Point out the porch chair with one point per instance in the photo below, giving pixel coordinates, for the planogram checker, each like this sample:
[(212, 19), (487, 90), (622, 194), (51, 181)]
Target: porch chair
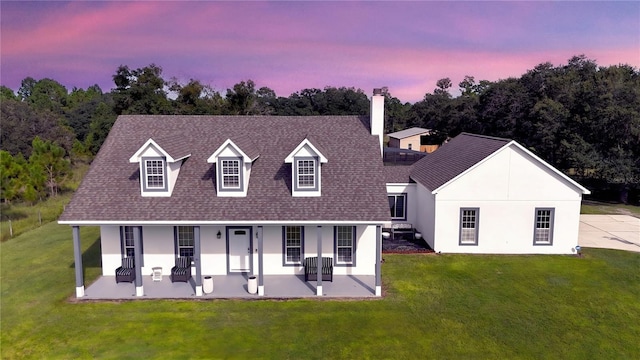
[(126, 272), (311, 269), (182, 270)]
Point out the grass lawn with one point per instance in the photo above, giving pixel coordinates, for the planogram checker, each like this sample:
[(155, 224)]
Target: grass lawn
[(602, 208), (435, 306)]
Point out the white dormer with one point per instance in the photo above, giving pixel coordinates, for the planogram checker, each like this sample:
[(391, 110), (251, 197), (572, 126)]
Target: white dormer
[(306, 168), (233, 167), (158, 168)]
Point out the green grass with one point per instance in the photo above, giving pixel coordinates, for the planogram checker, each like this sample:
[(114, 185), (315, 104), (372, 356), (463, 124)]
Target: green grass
[(602, 208), (435, 306)]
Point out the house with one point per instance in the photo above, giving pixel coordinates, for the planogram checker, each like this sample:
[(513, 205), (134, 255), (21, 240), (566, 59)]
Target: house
[(410, 139), (235, 196), (480, 194)]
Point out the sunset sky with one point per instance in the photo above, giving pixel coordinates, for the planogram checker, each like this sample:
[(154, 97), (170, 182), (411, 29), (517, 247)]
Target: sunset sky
[(289, 46)]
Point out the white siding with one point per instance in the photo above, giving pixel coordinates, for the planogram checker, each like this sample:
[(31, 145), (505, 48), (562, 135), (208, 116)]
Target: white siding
[(159, 250), (507, 188)]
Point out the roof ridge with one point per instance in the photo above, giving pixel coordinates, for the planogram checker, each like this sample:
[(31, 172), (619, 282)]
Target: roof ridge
[(486, 136)]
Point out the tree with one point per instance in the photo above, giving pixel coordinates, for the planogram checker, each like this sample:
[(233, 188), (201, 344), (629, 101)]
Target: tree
[(11, 176), (140, 91), (47, 162)]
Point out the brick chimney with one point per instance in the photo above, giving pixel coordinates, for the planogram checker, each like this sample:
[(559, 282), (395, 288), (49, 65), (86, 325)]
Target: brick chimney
[(377, 114)]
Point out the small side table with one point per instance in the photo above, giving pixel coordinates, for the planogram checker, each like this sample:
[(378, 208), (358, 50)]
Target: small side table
[(156, 273)]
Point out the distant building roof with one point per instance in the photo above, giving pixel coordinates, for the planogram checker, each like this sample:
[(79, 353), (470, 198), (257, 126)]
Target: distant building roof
[(409, 132)]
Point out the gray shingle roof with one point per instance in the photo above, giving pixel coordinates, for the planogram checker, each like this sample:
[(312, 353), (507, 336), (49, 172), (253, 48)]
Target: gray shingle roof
[(454, 158), (408, 132), (398, 174), (353, 187)]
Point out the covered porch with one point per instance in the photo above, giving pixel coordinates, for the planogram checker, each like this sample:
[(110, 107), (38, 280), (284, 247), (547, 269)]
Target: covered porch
[(233, 287)]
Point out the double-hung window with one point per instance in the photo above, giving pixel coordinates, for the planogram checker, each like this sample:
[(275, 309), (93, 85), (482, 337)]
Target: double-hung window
[(398, 205), (345, 245), (293, 239), (543, 232), (231, 174), (184, 241), (127, 244), (154, 174), (306, 174), (469, 226)]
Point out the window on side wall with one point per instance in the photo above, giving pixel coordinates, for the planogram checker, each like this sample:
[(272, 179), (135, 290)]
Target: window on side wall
[(543, 231), (345, 245), (184, 241), (469, 218), (398, 206), (293, 240), (127, 244)]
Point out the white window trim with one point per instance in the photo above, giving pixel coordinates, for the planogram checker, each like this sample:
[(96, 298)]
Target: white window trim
[(395, 203), (223, 174), (314, 175)]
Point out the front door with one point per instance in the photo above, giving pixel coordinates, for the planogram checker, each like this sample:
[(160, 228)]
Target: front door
[(239, 245)]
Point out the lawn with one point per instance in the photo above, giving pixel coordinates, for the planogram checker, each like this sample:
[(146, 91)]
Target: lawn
[(603, 208), (435, 306)]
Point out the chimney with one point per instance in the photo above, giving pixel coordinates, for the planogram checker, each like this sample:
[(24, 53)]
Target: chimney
[(377, 114)]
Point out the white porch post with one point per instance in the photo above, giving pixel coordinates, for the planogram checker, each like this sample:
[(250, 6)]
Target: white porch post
[(378, 260), (196, 258), (77, 255), (260, 263), (319, 270), (137, 253)]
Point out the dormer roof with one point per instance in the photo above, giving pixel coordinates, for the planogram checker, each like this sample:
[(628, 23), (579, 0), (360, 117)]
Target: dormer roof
[(241, 144), (174, 148), (314, 149)]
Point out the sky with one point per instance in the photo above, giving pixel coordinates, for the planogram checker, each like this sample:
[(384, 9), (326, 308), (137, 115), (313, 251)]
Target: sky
[(294, 45)]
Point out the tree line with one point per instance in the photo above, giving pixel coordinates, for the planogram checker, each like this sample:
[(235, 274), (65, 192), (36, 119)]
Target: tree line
[(580, 117)]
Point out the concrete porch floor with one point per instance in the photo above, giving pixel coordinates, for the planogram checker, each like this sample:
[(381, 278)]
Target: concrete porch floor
[(233, 286)]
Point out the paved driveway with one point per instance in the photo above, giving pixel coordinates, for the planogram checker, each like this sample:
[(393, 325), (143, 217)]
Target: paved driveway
[(621, 232)]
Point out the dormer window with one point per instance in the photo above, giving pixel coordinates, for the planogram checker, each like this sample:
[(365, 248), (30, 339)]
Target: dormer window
[(154, 174), (306, 174), (231, 174), (233, 160), (160, 166), (306, 161)]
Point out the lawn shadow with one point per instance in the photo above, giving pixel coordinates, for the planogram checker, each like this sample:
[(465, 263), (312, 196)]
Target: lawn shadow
[(91, 257)]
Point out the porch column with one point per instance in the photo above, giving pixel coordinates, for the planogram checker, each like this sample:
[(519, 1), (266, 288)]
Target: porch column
[(260, 263), (197, 253), (77, 255), (378, 260), (319, 271), (138, 260)]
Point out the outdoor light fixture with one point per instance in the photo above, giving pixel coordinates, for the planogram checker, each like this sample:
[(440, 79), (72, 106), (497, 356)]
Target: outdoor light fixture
[(218, 235), (579, 250)]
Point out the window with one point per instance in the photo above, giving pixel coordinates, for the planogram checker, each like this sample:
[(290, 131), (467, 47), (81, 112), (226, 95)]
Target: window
[(469, 226), (184, 241), (230, 174), (543, 232), (154, 174), (293, 239), (397, 205), (306, 174), (127, 244), (345, 245)]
